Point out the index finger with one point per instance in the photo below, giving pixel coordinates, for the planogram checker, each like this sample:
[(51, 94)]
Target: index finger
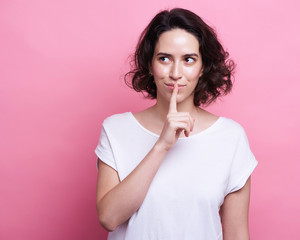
[(173, 104)]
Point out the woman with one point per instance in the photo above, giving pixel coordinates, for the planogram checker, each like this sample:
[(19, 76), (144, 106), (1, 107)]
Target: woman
[(174, 170)]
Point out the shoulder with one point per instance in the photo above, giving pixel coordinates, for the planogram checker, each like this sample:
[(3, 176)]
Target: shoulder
[(231, 123), (116, 119), (118, 124), (232, 127), (121, 123)]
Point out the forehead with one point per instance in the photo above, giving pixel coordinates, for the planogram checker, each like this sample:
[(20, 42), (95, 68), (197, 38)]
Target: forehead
[(177, 40)]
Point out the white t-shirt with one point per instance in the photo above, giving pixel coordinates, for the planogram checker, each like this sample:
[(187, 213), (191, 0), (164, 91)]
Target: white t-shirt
[(186, 194)]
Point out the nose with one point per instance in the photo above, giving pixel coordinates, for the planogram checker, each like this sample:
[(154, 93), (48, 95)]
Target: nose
[(176, 71)]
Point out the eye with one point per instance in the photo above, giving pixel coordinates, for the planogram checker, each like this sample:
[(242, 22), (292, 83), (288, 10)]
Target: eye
[(164, 59), (189, 60)]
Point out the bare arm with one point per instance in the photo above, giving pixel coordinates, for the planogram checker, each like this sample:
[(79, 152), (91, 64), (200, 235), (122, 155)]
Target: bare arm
[(117, 201), (234, 214), (124, 198)]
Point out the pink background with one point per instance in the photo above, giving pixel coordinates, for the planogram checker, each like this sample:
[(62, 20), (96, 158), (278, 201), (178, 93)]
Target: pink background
[(61, 67)]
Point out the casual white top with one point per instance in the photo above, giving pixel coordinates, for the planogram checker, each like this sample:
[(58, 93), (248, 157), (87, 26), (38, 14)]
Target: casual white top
[(186, 194)]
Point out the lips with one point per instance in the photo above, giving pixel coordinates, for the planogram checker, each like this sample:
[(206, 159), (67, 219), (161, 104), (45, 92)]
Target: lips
[(171, 86)]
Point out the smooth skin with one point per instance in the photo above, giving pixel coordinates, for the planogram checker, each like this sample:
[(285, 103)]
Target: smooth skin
[(176, 67)]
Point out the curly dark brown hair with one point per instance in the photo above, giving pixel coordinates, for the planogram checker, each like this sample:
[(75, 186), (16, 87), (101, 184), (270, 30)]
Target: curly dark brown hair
[(216, 79)]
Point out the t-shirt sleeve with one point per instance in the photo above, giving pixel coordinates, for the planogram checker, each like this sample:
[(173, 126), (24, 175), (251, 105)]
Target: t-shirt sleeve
[(242, 166), (104, 151)]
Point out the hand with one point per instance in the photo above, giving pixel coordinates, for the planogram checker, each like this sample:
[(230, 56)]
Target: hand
[(176, 122)]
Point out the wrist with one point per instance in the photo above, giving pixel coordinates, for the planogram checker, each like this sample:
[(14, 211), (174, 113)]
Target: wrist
[(159, 147)]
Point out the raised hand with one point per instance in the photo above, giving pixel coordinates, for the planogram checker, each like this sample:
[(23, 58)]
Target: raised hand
[(176, 122)]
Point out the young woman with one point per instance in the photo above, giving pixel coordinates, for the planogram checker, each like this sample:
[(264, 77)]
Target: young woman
[(174, 170)]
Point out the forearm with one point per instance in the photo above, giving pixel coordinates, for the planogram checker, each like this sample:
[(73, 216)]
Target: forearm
[(124, 199), (238, 235)]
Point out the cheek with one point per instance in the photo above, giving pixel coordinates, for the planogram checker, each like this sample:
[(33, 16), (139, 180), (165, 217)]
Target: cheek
[(160, 71), (193, 74)]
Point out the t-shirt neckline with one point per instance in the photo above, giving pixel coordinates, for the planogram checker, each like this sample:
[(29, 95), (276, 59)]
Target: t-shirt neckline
[(211, 127)]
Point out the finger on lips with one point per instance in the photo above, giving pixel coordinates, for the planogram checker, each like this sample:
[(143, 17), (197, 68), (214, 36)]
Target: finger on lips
[(173, 107), (187, 122)]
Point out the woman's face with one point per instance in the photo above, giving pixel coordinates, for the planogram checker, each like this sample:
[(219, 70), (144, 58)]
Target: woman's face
[(176, 59)]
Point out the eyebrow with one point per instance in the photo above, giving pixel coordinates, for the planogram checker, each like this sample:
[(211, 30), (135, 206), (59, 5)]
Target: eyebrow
[(170, 55)]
